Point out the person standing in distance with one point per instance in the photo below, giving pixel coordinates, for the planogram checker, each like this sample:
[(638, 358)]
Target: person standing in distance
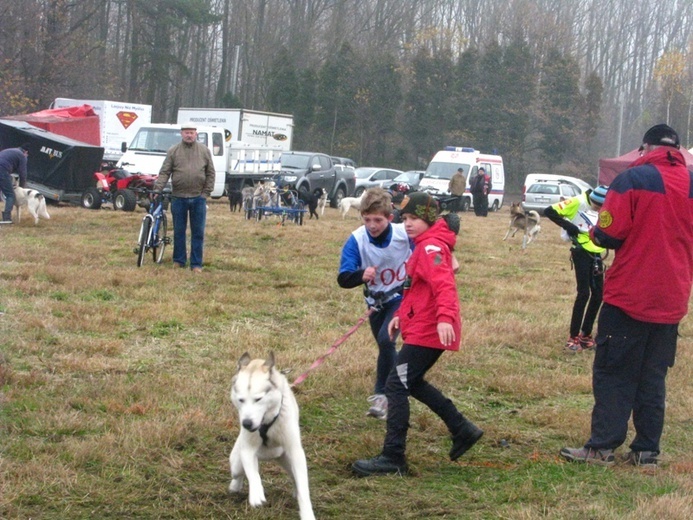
[(12, 160), (456, 187), (189, 166), (647, 218)]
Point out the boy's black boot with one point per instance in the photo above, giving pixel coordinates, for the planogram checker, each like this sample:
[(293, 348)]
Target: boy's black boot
[(6, 217), (379, 465), (464, 438)]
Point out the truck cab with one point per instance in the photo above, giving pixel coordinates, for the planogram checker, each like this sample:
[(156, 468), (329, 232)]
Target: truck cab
[(148, 148)]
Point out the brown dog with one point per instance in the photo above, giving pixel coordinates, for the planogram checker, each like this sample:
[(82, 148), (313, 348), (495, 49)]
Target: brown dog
[(528, 222)]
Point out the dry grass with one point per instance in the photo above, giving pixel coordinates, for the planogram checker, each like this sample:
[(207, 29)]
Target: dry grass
[(114, 380)]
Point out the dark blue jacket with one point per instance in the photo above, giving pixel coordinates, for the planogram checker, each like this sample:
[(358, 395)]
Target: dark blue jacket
[(13, 160)]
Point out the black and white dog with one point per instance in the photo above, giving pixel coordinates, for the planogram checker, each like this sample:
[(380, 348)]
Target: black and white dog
[(312, 200)]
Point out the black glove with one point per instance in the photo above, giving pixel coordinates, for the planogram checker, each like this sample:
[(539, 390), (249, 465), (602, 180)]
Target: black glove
[(453, 222), (571, 229)]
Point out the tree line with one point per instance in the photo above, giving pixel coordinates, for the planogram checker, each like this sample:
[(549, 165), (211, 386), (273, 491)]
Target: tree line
[(549, 84)]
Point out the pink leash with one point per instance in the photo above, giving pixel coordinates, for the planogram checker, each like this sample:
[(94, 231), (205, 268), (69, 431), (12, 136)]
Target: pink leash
[(334, 347)]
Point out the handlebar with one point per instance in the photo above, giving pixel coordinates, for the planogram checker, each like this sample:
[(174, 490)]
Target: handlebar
[(166, 193)]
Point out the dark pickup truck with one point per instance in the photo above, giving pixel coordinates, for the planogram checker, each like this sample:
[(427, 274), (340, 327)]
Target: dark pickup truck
[(310, 171)]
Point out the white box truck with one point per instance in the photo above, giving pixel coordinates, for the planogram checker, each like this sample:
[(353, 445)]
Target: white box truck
[(247, 126), (446, 162), (240, 164), (119, 122)]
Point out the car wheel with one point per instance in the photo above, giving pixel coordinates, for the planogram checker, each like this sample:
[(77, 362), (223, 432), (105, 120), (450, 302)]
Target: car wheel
[(465, 204), (495, 206), (338, 196), (359, 192)]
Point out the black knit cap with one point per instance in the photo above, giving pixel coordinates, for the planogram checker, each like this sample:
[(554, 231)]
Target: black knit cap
[(661, 135), (25, 146), (422, 205)]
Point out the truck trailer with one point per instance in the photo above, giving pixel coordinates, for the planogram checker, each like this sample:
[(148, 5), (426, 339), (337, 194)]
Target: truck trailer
[(247, 126), (118, 122)]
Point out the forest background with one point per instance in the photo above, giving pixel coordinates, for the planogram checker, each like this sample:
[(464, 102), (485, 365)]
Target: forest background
[(552, 85)]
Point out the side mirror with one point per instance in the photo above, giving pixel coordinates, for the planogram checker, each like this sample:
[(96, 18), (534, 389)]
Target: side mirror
[(315, 167), (123, 147)]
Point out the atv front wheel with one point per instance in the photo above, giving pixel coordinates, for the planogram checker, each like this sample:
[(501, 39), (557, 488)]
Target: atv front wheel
[(125, 200)]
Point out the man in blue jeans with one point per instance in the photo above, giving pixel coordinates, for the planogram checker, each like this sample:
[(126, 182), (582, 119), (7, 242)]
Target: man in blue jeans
[(12, 160), (189, 166)]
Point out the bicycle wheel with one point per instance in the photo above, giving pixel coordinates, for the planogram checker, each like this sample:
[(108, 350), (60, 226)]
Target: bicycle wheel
[(143, 242), (159, 239)]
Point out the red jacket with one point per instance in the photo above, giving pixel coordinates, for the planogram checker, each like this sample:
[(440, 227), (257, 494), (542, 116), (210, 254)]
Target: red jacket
[(647, 218), (430, 291)]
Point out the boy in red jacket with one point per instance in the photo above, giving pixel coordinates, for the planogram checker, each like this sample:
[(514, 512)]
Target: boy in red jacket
[(429, 320)]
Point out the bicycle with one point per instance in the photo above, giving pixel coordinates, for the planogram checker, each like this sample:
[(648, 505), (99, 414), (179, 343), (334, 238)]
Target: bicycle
[(152, 235)]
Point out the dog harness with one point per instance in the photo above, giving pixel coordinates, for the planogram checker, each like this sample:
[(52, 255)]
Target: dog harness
[(264, 428)]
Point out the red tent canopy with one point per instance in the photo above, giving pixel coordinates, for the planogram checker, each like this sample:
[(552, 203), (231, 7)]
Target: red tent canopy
[(79, 122), (610, 168)]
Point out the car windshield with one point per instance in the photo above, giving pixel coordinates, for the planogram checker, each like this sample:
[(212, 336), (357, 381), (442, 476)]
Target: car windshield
[(407, 177), (364, 173), (155, 139), (443, 170), (544, 189), (294, 161)]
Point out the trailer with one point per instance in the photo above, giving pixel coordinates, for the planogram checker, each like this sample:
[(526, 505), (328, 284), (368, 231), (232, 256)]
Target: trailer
[(253, 127), (59, 168), (119, 121)]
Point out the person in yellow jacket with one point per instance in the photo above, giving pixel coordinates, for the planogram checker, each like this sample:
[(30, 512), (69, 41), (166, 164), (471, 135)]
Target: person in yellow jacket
[(577, 215)]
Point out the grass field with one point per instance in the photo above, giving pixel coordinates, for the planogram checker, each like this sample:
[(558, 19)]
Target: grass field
[(114, 380)]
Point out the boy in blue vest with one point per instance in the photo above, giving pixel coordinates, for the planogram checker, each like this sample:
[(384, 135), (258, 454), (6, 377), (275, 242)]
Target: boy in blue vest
[(374, 257)]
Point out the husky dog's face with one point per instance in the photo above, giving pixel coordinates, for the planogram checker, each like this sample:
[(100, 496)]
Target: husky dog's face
[(254, 392)]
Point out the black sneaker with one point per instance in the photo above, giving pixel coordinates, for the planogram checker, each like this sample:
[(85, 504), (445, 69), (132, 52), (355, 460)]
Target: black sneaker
[(464, 440), (379, 465), (643, 459)]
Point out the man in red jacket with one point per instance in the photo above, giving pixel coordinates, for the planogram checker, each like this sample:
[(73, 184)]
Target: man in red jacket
[(647, 217), (429, 319)]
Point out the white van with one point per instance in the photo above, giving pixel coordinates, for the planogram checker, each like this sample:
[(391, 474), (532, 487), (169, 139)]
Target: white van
[(446, 162)]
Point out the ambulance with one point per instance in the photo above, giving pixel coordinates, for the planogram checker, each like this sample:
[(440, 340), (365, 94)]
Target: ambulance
[(446, 162)]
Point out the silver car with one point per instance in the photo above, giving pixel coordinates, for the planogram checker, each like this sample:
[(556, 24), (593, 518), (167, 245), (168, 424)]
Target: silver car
[(368, 177), (542, 194)]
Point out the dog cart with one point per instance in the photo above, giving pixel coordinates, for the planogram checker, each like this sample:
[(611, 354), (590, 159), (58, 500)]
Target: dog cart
[(286, 205)]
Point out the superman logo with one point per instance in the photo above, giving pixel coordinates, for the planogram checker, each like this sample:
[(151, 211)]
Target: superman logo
[(126, 118)]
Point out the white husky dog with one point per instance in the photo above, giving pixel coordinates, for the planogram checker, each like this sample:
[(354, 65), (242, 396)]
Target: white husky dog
[(350, 202), (33, 201), (268, 414)]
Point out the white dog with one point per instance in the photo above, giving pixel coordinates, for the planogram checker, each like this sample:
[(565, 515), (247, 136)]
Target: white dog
[(268, 414), (350, 202), (33, 201), (322, 201)]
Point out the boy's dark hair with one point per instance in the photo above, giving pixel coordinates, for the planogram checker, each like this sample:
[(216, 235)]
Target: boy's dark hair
[(376, 200)]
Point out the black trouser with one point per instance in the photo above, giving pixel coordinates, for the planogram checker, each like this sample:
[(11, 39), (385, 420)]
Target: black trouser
[(589, 292), (480, 202), (407, 378), (628, 376)]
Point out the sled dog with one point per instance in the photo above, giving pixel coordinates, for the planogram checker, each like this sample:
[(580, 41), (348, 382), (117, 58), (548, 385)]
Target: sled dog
[(268, 417)]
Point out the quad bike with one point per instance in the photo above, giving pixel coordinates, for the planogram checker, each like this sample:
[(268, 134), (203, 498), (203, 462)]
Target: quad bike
[(120, 188)]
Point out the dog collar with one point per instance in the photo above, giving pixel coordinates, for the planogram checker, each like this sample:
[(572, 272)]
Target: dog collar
[(264, 428)]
